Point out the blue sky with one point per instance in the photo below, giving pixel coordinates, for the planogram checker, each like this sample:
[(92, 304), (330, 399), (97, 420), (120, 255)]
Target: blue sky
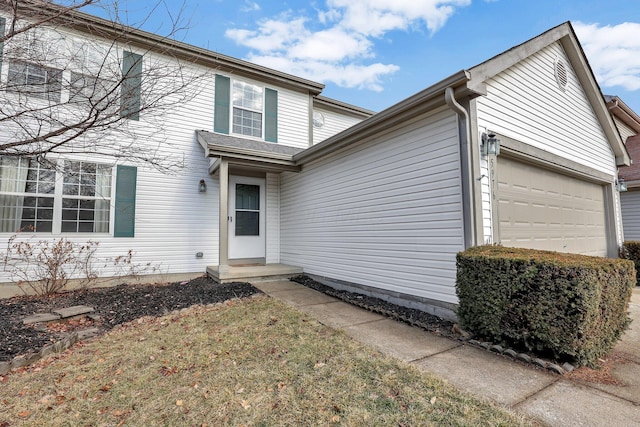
[(374, 53)]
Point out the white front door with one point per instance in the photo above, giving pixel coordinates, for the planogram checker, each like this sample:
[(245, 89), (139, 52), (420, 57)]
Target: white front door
[(247, 212)]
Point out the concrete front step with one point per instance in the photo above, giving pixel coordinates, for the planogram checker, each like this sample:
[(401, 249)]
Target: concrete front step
[(247, 273)]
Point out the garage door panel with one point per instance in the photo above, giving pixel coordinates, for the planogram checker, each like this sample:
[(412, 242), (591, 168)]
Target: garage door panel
[(544, 209)]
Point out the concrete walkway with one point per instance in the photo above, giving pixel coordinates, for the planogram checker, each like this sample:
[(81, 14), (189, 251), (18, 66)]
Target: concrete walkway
[(548, 397)]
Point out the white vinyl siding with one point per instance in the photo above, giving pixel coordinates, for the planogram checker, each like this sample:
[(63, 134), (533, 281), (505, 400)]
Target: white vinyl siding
[(334, 123), (525, 103), (630, 214), (173, 220), (386, 213), (624, 129), (273, 218), (293, 118)]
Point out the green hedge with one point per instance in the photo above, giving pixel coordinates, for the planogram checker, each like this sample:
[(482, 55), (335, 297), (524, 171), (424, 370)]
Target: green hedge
[(569, 307), (631, 250)]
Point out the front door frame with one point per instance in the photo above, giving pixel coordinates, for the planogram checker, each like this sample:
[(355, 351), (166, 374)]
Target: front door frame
[(237, 245)]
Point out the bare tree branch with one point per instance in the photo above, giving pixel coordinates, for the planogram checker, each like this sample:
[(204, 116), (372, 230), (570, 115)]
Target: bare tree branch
[(75, 84)]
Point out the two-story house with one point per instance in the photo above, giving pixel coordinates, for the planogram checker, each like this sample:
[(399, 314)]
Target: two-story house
[(247, 116), (519, 150)]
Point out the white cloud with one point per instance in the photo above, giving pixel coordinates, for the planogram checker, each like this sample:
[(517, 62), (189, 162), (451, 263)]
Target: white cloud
[(272, 35), (250, 6), (376, 17), (345, 75), (613, 52), (337, 45)]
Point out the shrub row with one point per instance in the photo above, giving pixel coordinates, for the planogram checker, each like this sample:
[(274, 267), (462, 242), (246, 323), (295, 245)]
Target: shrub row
[(565, 306), (631, 250)]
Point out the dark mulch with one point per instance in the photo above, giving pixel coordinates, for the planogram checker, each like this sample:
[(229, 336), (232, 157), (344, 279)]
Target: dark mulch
[(115, 306), (124, 303), (411, 316)]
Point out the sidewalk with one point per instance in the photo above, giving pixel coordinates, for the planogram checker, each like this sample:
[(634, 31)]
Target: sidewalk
[(548, 397)]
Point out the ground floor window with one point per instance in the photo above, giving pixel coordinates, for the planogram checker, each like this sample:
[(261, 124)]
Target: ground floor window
[(54, 196)]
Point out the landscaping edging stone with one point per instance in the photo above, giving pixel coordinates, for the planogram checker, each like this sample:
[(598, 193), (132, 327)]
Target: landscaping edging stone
[(30, 358)]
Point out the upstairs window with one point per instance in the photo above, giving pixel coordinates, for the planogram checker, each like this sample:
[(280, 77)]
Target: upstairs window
[(34, 80), (247, 109), (91, 90)]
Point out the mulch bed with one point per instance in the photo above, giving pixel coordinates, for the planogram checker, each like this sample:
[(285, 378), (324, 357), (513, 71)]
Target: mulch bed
[(407, 315), (115, 306)]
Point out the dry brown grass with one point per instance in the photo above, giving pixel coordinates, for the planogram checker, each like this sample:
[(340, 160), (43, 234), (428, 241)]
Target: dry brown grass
[(253, 362)]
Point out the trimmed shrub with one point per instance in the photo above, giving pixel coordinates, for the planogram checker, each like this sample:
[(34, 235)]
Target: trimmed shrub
[(565, 306), (631, 250)]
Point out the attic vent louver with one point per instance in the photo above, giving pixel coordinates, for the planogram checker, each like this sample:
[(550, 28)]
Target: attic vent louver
[(562, 76)]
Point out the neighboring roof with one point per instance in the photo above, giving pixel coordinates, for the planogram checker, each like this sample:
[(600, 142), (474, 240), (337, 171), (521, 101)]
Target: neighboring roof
[(104, 28), (471, 83), (623, 112), (342, 107), (631, 174)]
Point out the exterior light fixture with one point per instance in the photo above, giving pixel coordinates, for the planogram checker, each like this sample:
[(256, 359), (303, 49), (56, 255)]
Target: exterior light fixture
[(621, 185), (490, 144), (202, 186)]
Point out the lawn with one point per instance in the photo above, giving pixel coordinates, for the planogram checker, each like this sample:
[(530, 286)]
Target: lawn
[(254, 361)]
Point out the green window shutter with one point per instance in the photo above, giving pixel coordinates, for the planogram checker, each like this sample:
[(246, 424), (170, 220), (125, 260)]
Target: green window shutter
[(271, 115), (125, 210), (131, 85), (3, 22), (222, 108)]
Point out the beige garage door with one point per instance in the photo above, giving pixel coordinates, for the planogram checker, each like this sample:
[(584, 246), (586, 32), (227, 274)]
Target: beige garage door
[(543, 209)]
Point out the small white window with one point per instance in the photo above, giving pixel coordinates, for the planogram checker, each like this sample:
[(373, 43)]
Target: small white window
[(248, 101)]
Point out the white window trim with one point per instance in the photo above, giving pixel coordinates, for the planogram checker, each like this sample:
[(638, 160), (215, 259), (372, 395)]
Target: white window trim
[(56, 226), (261, 112)]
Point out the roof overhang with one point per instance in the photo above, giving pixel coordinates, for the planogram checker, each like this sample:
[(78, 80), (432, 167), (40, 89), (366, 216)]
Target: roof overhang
[(414, 106), (247, 153), (130, 36), (341, 107), (623, 112)]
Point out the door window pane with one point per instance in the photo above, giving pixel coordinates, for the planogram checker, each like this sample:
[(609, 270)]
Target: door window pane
[(247, 210), (247, 223), (248, 197)]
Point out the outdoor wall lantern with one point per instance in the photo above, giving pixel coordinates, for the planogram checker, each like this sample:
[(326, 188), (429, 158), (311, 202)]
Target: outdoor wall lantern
[(202, 187), (490, 144), (621, 185)]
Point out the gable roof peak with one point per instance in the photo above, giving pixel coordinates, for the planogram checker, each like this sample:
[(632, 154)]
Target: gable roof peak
[(565, 35)]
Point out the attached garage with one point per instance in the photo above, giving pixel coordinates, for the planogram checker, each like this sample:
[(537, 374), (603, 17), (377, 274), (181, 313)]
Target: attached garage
[(542, 208), (383, 207)]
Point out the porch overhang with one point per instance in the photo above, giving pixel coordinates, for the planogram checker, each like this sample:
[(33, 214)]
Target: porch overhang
[(247, 153)]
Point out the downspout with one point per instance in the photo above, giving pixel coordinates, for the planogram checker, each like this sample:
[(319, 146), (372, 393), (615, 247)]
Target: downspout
[(466, 166)]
